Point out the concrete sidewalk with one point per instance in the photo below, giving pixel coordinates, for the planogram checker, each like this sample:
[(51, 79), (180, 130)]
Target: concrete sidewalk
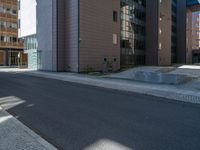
[(16, 136), (186, 92)]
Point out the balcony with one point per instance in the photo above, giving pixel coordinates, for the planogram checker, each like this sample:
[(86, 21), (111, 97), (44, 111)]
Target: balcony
[(8, 16), (11, 45), (9, 31), (11, 2)]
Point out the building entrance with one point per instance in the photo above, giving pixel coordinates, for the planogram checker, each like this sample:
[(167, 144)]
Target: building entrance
[(2, 58), (14, 59)]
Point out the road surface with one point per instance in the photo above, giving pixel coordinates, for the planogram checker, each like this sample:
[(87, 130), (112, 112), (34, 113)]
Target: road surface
[(79, 117)]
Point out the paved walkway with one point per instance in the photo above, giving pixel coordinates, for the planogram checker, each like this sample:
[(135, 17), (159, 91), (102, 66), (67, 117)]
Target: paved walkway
[(16, 136), (175, 92), (189, 70), (188, 92), (74, 116), (14, 69)]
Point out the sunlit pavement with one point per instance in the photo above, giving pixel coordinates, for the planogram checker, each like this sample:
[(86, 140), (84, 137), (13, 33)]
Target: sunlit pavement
[(16, 136), (188, 92), (16, 70), (80, 117)]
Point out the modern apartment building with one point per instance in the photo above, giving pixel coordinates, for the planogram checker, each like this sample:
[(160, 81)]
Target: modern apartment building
[(11, 49), (193, 29), (193, 32), (196, 37), (196, 30), (27, 30), (80, 35)]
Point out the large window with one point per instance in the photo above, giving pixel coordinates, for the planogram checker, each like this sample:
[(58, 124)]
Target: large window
[(132, 32), (6, 10), (7, 25), (8, 39)]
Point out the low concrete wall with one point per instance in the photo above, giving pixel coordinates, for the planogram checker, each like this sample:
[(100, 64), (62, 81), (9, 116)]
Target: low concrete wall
[(159, 75), (161, 78)]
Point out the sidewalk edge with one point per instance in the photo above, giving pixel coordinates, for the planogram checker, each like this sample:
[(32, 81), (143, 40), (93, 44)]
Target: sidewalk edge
[(180, 95), (34, 135)]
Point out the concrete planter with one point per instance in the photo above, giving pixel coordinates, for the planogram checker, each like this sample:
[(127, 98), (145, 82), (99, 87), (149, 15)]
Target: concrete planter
[(160, 78)]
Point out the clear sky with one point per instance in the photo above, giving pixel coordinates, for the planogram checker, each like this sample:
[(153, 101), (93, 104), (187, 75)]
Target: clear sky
[(28, 17)]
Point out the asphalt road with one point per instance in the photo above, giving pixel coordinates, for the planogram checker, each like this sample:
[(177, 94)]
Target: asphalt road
[(74, 117)]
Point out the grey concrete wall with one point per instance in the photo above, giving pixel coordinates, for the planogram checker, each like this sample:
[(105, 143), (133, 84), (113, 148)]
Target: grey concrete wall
[(72, 35), (57, 33), (96, 33), (46, 34)]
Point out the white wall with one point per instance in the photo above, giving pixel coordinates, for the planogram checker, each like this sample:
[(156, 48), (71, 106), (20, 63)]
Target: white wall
[(47, 34), (27, 15)]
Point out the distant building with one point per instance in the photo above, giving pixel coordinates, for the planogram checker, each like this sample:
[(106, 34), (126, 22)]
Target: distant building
[(27, 30), (11, 49), (196, 30), (193, 36)]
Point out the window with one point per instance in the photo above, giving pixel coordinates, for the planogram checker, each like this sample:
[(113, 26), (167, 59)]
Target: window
[(19, 4), (14, 12), (14, 39), (2, 38), (115, 39), (132, 38), (115, 16), (19, 23)]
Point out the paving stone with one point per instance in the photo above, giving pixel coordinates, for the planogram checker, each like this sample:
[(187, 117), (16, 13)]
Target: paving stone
[(15, 136)]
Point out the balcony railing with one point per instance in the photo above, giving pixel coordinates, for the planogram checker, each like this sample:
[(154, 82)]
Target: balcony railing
[(8, 16), (17, 45), (8, 31), (11, 2)]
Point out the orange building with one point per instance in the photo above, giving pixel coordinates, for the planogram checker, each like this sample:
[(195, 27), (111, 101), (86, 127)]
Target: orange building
[(11, 49)]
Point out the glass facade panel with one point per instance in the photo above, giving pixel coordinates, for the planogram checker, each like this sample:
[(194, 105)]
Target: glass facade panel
[(30, 42), (132, 32)]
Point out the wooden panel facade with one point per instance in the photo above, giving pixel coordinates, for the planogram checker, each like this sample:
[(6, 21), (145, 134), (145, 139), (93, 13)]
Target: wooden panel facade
[(10, 46), (9, 18), (1, 58)]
